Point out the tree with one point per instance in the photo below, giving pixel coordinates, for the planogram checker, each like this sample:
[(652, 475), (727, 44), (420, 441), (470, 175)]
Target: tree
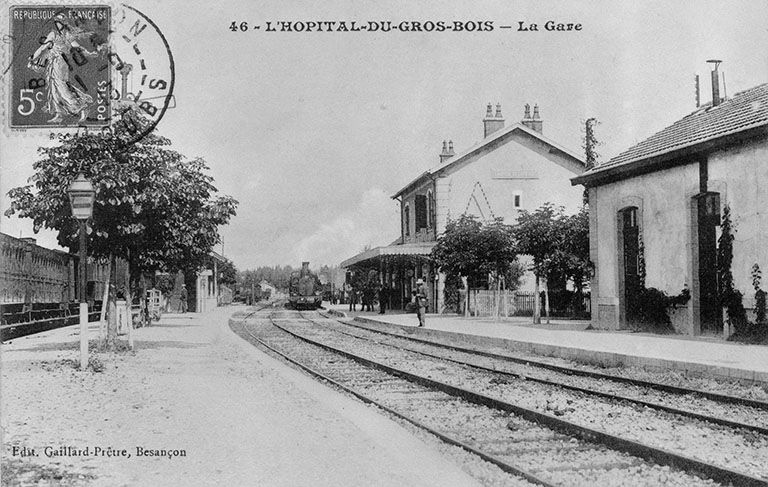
[(154, 208), (456, 250), (277, 276), (538, 234), (475, 250), (570, 258), (227, 273)]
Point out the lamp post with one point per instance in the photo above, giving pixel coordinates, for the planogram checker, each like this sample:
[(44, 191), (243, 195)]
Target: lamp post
[(81, 196)]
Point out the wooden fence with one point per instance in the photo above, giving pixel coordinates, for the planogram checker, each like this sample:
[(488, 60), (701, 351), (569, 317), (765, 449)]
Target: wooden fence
[(19, 320), (509, 303)]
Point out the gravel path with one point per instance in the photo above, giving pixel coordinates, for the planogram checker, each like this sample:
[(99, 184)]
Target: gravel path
[(239, 417)]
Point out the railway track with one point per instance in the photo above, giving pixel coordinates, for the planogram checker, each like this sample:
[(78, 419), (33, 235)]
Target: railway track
[(572, 371), (530, 445), (713, 408)]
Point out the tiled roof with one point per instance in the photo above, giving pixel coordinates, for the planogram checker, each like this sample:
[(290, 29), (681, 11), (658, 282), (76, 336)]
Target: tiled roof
[(745, 110)]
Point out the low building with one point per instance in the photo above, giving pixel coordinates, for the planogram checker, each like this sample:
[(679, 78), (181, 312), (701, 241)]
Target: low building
[(656, 212), (207, 289), (512, 168)]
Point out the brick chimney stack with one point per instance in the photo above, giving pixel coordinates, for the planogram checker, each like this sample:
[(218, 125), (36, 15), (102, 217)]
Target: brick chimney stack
[(492, 123), (534, 122), (715, 82), (447, 151)]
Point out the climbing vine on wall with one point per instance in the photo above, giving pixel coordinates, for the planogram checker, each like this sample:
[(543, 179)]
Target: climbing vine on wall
[(730, 298), (759, 294), (640, 257)]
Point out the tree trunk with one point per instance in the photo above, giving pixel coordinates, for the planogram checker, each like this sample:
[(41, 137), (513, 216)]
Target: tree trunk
[(145, 318), (536, 303), (104, 306), (128, 302), (465, 281), (505, 310), (112, 310), (578, 283), (190, 281), (546, 298)]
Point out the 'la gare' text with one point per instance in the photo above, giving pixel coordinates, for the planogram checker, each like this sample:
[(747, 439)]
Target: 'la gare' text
[(550, 25)]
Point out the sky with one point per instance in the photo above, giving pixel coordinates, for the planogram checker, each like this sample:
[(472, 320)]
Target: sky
[(312, 132)]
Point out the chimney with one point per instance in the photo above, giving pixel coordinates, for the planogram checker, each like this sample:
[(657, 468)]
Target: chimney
[(444, 155), (533, 122), (698, 96), (715, 82), (493, 123)]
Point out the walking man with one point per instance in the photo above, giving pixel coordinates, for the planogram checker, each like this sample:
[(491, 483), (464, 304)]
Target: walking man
[(421, 301)]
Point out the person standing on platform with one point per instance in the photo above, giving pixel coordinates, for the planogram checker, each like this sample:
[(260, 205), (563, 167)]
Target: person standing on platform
[(421, 301), (352, 297), (183, 298), (383, 296)]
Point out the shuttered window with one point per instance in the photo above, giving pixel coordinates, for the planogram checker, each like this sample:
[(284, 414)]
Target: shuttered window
[(421, 212), (407, 220)]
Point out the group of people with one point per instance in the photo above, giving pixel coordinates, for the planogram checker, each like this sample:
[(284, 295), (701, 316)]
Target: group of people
[(367, 298), (419, 300)]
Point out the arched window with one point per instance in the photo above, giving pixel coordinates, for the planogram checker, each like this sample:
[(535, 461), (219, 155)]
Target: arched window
[(407, 219)]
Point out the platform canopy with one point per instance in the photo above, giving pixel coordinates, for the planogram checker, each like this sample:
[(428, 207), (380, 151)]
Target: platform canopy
[(418, 249)]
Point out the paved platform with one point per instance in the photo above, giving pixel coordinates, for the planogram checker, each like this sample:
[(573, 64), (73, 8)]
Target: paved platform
[(568, 339)]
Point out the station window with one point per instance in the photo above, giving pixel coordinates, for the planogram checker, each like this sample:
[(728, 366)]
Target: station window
[(407, 220), (517, 200), (430, 210), (421, 212)]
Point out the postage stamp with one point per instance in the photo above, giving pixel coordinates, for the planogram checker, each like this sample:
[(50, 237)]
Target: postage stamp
[(104, 66), (60, 66)]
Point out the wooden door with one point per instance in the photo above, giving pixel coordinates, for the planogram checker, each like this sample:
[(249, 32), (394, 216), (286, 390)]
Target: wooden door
[(709, 304), (631, 250)]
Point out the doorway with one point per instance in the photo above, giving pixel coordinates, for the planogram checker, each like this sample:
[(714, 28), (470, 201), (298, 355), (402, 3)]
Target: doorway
[(631, 253), (708, 219)]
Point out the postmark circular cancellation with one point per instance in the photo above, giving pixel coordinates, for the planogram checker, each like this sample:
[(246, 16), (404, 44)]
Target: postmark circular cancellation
[(70, 67)]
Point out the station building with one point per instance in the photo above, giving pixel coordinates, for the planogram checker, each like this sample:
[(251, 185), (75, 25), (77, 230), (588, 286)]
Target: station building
[(656, 212), (514, 167)]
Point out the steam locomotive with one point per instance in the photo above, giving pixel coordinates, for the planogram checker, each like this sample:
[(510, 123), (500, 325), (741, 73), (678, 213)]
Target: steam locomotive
[(304, 290)]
